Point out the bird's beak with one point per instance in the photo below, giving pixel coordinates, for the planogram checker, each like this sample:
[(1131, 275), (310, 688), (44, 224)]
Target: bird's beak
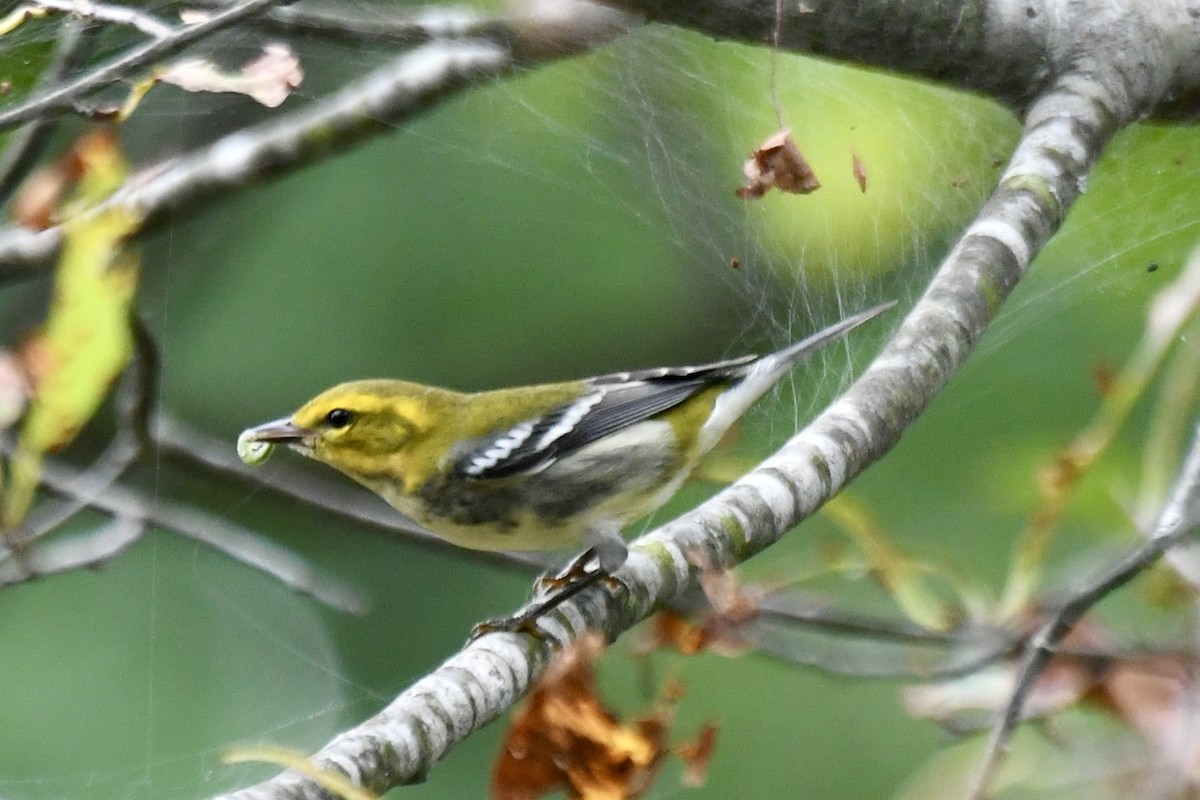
[(255, 444), (280, 431)]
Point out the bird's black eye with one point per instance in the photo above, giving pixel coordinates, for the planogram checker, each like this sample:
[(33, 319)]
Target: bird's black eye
[(339, 418)]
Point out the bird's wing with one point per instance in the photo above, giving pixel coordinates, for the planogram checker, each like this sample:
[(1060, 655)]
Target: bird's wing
[(716, 371), (613, 403)]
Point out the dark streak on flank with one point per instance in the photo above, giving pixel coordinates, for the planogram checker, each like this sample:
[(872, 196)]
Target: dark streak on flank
[(557, 494)]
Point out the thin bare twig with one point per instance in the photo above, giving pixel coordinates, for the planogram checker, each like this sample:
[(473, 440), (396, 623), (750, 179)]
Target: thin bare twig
[(63, 96), (388, 24), (1168, 312), (105, 12), (137, 401), (85, 489), (898, 648), (234, 541), (45, 518), (374, 104), (1179, 519), (790, 608), (257, 551), (70, 552)]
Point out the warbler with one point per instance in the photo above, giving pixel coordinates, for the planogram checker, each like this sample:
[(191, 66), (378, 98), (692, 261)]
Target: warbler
[(536, 467)]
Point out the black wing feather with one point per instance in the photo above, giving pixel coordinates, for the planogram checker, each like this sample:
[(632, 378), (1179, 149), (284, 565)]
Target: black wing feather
[(621, 400), (709, 372)]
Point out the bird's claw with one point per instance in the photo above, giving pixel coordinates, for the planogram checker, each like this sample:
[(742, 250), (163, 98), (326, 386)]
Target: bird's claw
[(551, 591), (572, 573), (525, 622)]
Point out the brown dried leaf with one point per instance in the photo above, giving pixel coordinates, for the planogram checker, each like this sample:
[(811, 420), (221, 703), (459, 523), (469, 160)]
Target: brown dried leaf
[(985, 693), (1066, 681), (37, 200), (722, 628), (269, 79), (696, 755), (565, 739), (732, 608), (860, 171), (777, 164), (673, 630), (1104, 375), (730, 601), (1155, 695)]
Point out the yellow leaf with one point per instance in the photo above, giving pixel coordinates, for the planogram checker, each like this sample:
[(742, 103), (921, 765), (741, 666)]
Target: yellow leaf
[(86, 340), (137, 91), (19, 16)]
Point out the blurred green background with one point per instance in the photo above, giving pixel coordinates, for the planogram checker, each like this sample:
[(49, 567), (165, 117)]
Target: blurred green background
[(577, 219)]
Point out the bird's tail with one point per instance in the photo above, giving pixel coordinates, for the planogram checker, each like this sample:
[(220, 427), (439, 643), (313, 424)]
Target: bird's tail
[(764, 373), (784, 359)]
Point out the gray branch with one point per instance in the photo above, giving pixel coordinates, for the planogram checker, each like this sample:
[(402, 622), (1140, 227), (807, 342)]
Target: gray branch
[(1011, 50)]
